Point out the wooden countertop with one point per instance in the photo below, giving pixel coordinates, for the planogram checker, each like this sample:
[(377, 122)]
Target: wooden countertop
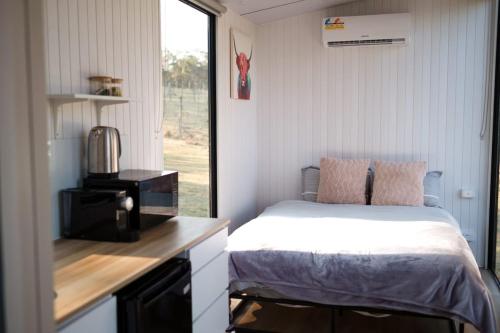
[(87, 271)]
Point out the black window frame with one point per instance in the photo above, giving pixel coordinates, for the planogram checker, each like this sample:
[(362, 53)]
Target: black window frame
[(495, 165), (212, 104), (2, 294)]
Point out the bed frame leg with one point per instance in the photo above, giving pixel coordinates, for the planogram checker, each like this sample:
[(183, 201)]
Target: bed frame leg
[(332, 322), (456, 326), (230, 328)]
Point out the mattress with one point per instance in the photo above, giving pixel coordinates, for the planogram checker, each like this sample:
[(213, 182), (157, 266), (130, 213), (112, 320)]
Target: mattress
[(382, 257)]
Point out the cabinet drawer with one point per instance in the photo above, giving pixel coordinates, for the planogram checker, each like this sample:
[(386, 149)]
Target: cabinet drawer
[(216, 318), (99, 319), (202, 253), (209, 283)]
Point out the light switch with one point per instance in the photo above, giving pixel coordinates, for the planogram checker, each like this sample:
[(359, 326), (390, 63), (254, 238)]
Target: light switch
[(467, 194)]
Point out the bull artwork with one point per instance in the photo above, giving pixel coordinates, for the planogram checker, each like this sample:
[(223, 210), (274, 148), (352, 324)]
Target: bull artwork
[(243, 81)]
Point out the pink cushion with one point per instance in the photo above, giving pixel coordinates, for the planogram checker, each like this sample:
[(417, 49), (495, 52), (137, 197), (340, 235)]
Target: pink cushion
[(399, 183), (343, 181)]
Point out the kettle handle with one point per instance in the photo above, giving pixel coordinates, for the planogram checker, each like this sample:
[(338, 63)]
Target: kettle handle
[(119, 143)]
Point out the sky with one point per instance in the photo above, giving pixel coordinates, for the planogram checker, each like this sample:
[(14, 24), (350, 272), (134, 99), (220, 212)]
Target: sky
[(183, 28)]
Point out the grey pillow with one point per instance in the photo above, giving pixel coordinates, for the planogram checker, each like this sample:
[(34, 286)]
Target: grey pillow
[(432, 186), (432, 189), (310, 183)]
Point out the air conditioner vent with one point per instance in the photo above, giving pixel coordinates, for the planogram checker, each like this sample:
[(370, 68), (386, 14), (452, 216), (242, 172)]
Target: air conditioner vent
[(380, 29), (367, 42)]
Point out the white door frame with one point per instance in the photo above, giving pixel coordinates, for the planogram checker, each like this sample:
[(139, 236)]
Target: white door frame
[(25, 216)]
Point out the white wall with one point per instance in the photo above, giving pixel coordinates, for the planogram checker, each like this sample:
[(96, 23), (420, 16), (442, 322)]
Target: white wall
[(26, 294), (119, 38), (236, 131), (420, 102)]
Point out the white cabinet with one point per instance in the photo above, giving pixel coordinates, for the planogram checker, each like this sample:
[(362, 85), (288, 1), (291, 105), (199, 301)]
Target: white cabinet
[(210, 303), (209, 280), (209, 283), (207, 250), (101, 318), (215, 319)]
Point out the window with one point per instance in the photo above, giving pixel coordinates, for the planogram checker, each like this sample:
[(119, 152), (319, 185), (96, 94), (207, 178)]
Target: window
[(188, 84), (494, 230)]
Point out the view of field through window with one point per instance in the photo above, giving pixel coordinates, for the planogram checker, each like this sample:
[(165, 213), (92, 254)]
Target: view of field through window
[(185, 103), (497, 263)]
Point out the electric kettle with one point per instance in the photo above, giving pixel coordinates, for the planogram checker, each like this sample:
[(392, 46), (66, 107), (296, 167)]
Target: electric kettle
[(104, 151)]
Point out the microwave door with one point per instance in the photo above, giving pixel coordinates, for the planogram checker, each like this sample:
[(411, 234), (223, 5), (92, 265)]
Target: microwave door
[(158, 203)]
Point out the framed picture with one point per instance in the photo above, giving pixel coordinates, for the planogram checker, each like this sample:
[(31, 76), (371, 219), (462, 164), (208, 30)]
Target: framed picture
[(241, 69)]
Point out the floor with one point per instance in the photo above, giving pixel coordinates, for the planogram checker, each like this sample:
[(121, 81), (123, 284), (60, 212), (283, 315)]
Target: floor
[(285, 319)]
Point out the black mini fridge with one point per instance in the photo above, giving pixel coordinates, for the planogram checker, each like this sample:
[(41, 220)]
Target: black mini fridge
[(159, 302)]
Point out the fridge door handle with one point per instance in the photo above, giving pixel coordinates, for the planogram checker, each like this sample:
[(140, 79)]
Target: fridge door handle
[(149, 296)]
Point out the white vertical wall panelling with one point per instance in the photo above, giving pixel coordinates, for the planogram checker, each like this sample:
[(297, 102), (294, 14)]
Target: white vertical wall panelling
[(141, 124), (93, 58), (133, 81), (484, 98), (65, 79), (287, 102), (111, 37), (469, 120), (138, 124), (459, 95), (123, 54), (84, 58), (236, 129), (74, 59), (277, 64), (420, 102), (157, 93), (149, 61), (109, 56), (262, 124), (116, 37)]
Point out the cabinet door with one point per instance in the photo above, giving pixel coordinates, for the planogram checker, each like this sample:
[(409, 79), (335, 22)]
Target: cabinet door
[(99, 319), (204, 252), (209, 283), (216, 318)]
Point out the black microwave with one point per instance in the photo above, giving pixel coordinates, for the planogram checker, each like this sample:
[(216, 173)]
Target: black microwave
[(155, 194)]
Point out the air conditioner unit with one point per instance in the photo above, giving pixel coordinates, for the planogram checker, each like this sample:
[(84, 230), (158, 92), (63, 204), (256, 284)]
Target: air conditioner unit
[(366, 30)]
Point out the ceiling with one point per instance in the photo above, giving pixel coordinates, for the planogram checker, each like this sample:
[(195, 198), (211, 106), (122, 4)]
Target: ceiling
[(262, 11)]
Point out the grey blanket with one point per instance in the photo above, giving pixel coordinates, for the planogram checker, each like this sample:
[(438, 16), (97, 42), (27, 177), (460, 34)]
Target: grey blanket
[(383, 257)]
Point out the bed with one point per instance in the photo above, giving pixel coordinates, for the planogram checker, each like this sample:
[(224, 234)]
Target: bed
[(395, 258)]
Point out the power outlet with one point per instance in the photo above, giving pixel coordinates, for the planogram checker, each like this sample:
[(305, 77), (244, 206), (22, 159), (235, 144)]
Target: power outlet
[(469, 236), (467, 194)]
